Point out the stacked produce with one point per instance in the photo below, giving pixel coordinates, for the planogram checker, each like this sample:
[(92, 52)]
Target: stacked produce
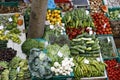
[(9, 27), (63, 68), (107, 47), (55, 34), (54, 16), (114, 14), (96, 6), (16, 69), (88, 67), (28, 44), (8, 9), (85, 44), (7, 54), (113, 69), (77, 22), (39, 64), (101, 23)]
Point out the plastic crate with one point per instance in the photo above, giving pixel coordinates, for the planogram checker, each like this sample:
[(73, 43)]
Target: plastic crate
[(109, 43), (111, 10), (116, 58), (11, 4)]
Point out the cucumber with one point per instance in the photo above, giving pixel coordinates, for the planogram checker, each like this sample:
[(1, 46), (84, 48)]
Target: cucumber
[(78, 49), (90, 42), (74, 51)]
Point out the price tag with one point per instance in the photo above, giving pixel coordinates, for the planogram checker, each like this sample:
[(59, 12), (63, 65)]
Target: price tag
[(10, 19), (60, 54), (98, 59), (119, 15), (104, 26), (86, 61), (1, 27), (18, 69), (51, 27)]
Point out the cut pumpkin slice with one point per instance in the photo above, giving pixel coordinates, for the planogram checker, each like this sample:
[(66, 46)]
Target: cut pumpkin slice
[(104, 8)]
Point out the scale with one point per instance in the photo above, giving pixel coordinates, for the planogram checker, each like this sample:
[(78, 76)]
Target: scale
[(81, 3)]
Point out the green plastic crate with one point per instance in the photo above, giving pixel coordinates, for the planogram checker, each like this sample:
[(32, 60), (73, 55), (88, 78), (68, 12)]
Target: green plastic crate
[(11, 4), (112, 10)]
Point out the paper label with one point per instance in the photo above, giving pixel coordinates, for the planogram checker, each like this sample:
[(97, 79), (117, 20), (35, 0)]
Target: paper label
[(86, 61), (10, 19), (104, 26), (60, 54), (1, 27), (18, 69), (98, 59)]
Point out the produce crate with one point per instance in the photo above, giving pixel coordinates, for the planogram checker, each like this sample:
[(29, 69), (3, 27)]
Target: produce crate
[(11, 4), (117, 59), (115, 12), (108, 47), (115, 25)]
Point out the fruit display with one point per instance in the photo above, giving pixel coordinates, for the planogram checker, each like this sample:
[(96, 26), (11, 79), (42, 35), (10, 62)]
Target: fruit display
[(107, 47), (7, 54), (113, 69), (114, 14), (54, 16), (88, 67), (85, 44), (77, 22), (9, 27), (102, 24), (115, 25)]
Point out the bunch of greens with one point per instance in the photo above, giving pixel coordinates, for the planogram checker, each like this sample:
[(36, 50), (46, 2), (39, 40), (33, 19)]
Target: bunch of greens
[(32, 43), (57, 53)]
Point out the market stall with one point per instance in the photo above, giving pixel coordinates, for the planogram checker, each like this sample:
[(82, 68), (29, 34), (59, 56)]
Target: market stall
[(77, 44)]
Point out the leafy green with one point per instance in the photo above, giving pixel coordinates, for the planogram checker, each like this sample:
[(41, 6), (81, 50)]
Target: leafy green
[(28, 45), (4, 64)]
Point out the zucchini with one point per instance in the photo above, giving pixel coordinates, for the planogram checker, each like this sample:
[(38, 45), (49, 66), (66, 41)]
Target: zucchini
[(93, 52), (81, 47), (74, 51), (90, 42), (89, 48), (86, 38), (78, 49)]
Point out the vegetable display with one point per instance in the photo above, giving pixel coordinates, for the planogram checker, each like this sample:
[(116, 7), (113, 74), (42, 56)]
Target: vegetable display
[(95, 6), (101, 23), (64, 68), (7, 54), (113, 69), (107, 47), (77, 21), (54, 16), (16, 69), (85, 44), (39, 64), (57, 53), (114, 14), (88, 67)]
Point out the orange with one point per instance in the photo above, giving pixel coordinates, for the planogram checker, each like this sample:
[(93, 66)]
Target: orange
[(20, 22)]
